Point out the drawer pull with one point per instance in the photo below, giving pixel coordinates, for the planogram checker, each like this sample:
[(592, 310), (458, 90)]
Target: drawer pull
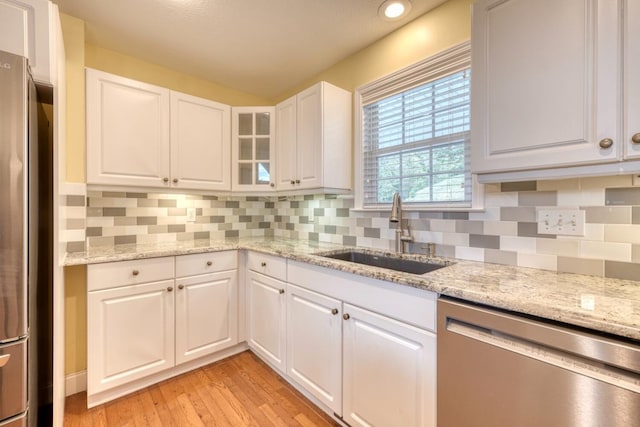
[(181, 287), (346, 316), (4, 359), (334, 311), (209, 263), (636, 138), (281, 291), (263, 264), (135, 272), (170, 289)]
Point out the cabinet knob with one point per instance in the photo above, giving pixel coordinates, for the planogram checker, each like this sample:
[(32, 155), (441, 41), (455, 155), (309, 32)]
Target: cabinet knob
[(297, 181), (346, 316), (293, 182), (181, 287), (170, 289), (209, 263), (606, 143), (165, 179), (272, 185), (281, 291), (334, 311), (263, 264), (175, 180), (636, 138), (135, 272)]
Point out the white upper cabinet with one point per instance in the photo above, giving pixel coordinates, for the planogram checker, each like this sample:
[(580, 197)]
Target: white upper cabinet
[(200, 148), (253, 149), (148, 136), (631, 133), (27, 28), (314, 139), (546, 90)]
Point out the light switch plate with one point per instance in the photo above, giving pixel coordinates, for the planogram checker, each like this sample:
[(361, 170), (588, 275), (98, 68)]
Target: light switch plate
[(564, 222)]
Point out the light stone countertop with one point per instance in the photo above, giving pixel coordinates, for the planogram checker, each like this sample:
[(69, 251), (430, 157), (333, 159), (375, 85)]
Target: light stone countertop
[(602, 304)]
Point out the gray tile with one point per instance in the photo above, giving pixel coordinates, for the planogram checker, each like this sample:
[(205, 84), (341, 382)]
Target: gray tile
[(100, 241), (147, 203), (519, 186), (269, 205), (114, 211), (608, 215), (448, 251), (372, 232), (455, 215), (622, 196), (303, 219), (635, 215), (530, 229), (318, 211), (496, 256), (136, 195), (75, 223), (538, 198), (314, 237), (431, 215), (252, 199), (75, 200), (308, 197), (363, 222), (94, 212), (231, 233), (483, 241), (330, 229), (289, 226), (209, 197), (264, 225), (114, 194), (475, 227), (622, 270), (167, 203), (342, 212), (294, 204), (349, 240), (76, 247), (124, 220), (509, 213), (124, 240), (147, 220), (217, 219), (245, 218), (177, 228), (201, 235), (591, 267), (158, 229), (231, 204)]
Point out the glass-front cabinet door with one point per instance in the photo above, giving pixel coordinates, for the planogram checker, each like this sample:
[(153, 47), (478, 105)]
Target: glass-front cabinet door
[(253, 149)]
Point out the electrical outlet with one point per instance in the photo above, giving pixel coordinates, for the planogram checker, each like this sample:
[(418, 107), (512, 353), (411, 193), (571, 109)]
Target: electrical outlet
[(565, 222), (191, 214)]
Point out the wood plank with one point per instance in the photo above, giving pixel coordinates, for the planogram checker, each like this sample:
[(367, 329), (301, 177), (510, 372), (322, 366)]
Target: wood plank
[(238, 391)]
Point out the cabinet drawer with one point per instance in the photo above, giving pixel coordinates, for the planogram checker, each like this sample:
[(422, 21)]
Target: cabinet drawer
[(115, 274), (268, 265), (210, 262)]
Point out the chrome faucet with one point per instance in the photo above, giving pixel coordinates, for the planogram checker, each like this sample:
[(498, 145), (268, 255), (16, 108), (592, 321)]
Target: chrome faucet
[(396, 216)]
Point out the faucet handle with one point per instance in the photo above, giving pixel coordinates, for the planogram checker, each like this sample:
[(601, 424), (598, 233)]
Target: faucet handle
[(431, 249)]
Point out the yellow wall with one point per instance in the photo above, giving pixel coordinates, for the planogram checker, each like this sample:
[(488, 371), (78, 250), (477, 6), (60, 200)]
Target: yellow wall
[(433, 32)]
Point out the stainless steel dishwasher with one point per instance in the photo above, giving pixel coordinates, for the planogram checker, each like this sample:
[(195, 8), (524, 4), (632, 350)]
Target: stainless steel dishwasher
[(499, 369)]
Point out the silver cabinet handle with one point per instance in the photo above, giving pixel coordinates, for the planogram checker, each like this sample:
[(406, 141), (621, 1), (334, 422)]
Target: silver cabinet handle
[(334, 311), (181, 287), (170, 289), (346, 316), (293, 182), (4, 359), (209, 263), (297, 181), (636, 138), (135, 272), (165, 179), (606, 143), (175, 180), (281, 291)]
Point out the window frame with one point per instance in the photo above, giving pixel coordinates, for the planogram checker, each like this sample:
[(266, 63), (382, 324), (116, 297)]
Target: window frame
[(447, 62)]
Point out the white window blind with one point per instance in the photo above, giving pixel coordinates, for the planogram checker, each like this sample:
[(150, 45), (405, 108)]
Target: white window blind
[(415, 134)]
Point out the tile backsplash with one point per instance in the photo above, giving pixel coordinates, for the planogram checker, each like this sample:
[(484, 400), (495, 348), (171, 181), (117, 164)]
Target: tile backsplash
[(505, 232)]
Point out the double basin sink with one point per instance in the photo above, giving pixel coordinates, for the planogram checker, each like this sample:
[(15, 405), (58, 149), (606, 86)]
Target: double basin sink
[(388, 261)]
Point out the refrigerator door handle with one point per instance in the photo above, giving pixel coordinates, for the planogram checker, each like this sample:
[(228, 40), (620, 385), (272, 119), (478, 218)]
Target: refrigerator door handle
[(4, 359)]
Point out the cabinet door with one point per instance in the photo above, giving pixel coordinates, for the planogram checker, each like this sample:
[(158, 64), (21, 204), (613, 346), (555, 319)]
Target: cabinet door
[(200, 143), (131, 334), (389, 370), (25, 27), (127, 131), (253, 149), (309, 137), (266, 318), (286, 144), (206, 314), (545, 83), (314, 345), (632, 80)]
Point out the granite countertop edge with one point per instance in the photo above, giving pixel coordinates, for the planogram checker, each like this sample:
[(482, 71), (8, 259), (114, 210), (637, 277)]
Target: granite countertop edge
[(601, 304)]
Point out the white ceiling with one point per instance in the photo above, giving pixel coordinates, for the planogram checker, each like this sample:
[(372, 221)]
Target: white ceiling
[(263, 47)]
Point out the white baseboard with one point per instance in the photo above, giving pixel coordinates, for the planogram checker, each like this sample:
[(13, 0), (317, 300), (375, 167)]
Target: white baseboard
[(75, 383)]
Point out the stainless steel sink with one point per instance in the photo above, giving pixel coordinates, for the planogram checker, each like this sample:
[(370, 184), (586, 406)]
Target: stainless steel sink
[(385, 261)]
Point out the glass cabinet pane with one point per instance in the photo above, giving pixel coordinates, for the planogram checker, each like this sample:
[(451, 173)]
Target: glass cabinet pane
[(262, 123), (246, 149), (263, 175), (245, 173), (245, 124), (262, 149)]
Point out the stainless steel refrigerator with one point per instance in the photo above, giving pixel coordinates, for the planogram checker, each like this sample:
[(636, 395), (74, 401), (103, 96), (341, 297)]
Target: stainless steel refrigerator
[(25, 249)]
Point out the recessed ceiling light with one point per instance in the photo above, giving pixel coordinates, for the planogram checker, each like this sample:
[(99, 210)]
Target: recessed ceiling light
[(392, 10)]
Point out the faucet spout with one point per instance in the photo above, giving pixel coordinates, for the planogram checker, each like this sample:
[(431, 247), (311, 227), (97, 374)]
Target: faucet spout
[(396, 216)]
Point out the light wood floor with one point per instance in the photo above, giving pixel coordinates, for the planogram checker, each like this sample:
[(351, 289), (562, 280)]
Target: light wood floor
[(238, 391)]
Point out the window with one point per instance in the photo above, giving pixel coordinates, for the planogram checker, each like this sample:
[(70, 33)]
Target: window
[(415, 134)]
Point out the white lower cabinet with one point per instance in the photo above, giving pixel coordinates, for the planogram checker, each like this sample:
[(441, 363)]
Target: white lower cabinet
[(389, 371), (266, 318)]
